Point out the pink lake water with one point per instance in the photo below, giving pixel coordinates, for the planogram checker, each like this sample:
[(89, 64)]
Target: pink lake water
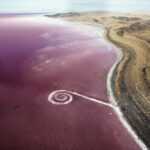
[(39, 55)]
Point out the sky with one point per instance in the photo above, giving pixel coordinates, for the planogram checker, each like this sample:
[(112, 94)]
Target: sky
[(57, 6)]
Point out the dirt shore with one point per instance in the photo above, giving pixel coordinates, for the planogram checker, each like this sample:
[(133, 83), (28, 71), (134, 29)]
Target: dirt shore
[(131, 79)]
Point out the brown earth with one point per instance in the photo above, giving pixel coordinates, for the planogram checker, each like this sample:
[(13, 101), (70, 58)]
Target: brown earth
[(131, 79)]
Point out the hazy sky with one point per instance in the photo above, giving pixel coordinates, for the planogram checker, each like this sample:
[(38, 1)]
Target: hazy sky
[(16, 6)]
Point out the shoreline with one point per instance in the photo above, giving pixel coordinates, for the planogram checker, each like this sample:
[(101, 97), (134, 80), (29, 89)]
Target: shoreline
[(131, 104), (110, 85), (125, 59), (113, 100)]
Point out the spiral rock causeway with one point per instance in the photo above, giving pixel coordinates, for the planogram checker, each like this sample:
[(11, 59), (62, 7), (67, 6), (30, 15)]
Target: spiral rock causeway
[(60, 97)]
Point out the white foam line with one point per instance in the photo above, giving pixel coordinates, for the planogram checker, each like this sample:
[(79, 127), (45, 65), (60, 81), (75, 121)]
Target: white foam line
[(118, 111), (113, 100), (113, 103), (77, 94)]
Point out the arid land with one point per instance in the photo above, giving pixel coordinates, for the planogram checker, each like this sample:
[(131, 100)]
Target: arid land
[(131, 79)]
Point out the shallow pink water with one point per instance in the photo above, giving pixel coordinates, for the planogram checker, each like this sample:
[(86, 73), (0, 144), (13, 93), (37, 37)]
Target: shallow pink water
[(39, 55), (52, 55)]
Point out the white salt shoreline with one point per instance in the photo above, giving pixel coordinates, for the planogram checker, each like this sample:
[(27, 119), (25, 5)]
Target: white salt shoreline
[(96, 28), (110, 92)]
